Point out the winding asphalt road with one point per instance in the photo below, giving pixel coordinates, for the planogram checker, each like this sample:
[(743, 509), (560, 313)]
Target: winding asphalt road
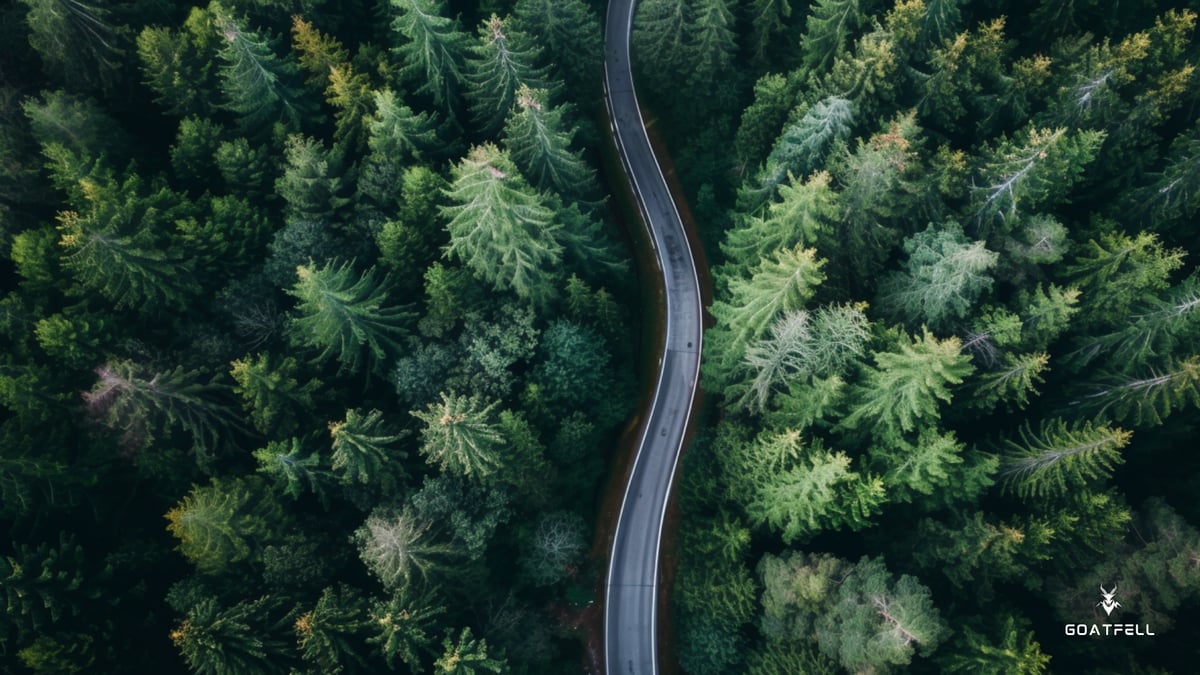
[(631, 603)]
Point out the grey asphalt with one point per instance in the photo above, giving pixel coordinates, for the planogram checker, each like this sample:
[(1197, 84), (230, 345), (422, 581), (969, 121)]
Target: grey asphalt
[(631, 608)]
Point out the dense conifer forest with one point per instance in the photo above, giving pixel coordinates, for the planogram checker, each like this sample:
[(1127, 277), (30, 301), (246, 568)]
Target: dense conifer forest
[(952, 365), (315, 334)]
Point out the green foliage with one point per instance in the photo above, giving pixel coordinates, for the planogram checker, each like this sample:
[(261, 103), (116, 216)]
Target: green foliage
[(942, 278), (222, 524), (828, 27), (539, 142), (178, 64), (330, 634), (557, 549), (500, 228), (797, 587), (143, 405), (878, 620), (1146, 398), (571, 33), (803, 490), (405, 623), (344, 317), (804, 215), (395, 131), (467, 655), (293, 468), (1118, 272), (804, 145), (43, 586), (460, 436), (258, 87), (364, 452), (274, 397), (902, 390), (311, 184), (501, 63), (75, 41), (400, 547), (432, 48), (975, 551), (1016, 652), (1060, 457), (221, 641)]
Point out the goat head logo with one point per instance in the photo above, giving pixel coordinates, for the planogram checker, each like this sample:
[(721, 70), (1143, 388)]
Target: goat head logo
[(1108, 604)]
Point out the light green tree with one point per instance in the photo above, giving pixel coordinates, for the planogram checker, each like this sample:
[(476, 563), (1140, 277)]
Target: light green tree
[(345, 317), (221, 524), (273, 396), (943, 277), (400, 547), (1061, 456), (460, 436), (903, 390), (467, 655), (500, 228), (878, 620), (331, 635)]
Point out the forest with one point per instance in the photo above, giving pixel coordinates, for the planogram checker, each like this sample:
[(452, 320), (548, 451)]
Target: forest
[(952, 371), (315, 334)]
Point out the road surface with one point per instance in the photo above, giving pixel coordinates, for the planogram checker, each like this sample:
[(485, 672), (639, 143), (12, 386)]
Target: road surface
[(631, 603)]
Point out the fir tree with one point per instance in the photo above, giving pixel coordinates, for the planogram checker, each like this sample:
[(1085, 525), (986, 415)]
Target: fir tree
[(405, 623), (539, 142), (345, 317), (501, 63), (243, 638), (432, 49), (221, 524), (258, 87), (460, 436), (364, 452), (401, 548), (1060, 457)]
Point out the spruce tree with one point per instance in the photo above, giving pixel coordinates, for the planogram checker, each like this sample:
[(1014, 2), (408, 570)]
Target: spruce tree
[(501, 63), (345, 317), (539, 142), (1061, 456), (461, 437), (405, 623), (432, 48), (258, 86)]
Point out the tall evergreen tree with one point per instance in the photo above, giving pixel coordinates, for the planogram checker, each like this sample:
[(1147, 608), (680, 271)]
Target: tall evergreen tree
[(1060, 457), (258, 86), (460, 436), (248, 637), (364, 452), (222, 524), (401, 548), (345, 317), (406, 624), (500, 228), (467, 655), (432, 48), (539, 142), (502, 61)]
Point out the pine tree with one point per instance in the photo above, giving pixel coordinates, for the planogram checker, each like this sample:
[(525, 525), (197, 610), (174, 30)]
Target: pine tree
[(405, 623), (178, 66), (460, 436), (223, 523), (1033, 170), (401, 548), (293, 468), (1010, 382), (901, 393), (432, 48), (879, 620), (829, 26), (318, 53), (1146, 398), (712, 43), (539, 142), (258, 87), (113, 244), (803, 146), (500, 64), (330, 635), (1117, 272), (1016, 653), (248, 637), (75, 41), (977, 551), (1061, 457), (804, 215), (467, 655), (311, 184), (802, 491), (345, 317), (143, 405), (766, 22), (274, 398), (571, 32), (942, 278), (920, 468), (364, 452), (1158, 328), (500, 228), (44, 586), (395, 131), (660, 40), (761, 121)]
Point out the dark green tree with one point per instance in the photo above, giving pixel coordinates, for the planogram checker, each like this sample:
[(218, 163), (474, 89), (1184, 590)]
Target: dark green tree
[(432, 48), (461, 437), (406, 623), (539, 142), (247, 637), (500, 63), (364, 452), (467, 655), (258, 86), (1061, 457), (331, 636)]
